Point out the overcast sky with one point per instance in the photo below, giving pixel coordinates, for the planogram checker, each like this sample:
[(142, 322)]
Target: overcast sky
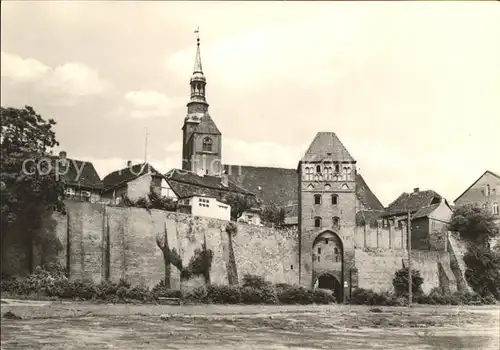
[(411, 89)]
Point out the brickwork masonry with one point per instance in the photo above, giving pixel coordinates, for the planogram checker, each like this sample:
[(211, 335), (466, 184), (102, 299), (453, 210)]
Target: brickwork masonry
[(101, 242)]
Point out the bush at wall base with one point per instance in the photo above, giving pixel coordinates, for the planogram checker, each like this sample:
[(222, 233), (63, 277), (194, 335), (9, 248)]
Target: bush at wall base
[(362, 296), (255, 290)]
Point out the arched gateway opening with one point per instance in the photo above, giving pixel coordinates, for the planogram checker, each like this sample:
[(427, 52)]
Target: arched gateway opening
[(328, 263), (327, 281)]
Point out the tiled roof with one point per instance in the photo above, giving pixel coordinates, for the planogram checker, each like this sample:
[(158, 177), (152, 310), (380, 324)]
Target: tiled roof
[(280, 186), (272, 185), (125, 175), (187, 184), (326, 146), (366, 196), (413, 202), (207, 126), (367, 217), (424, 211), (89, 178)]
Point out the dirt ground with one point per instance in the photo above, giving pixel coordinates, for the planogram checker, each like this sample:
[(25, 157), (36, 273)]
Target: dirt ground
[(73, 325)]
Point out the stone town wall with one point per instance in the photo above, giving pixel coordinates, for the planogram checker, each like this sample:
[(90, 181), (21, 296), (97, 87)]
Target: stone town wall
[(380, 252), (101, 242), (376, 268), (390, 237)]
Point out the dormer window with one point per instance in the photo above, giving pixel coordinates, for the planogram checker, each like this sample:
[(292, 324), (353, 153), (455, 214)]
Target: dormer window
[(207, 144)]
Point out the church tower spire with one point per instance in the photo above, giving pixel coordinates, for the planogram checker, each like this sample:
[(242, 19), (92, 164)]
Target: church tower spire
[(201, 149), (197, 103)]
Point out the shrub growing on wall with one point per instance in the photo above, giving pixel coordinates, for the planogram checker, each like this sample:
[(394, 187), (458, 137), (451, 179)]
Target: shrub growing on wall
[(273, 215), (170, 256), (477, 226), (483, 270), (151, 201), (239, 203), (401, 284), (199, 264), (232, 272), (162, 203), (474, 224)]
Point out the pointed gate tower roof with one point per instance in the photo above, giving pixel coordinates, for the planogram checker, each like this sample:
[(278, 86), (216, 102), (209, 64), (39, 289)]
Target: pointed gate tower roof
[(326, 146)]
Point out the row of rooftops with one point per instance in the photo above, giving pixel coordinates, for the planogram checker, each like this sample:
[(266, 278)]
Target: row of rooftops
[(271, 185), (184, 183)]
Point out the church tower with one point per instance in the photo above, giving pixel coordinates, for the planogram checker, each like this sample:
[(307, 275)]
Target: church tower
[(327, 211), (202, 140)]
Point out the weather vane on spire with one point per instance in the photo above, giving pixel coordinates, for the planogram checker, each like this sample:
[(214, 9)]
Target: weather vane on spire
[(197, 32)]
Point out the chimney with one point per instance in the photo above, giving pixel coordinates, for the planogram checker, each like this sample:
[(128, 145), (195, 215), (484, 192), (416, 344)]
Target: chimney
[(62, 155), (416, 190), (129, 163)]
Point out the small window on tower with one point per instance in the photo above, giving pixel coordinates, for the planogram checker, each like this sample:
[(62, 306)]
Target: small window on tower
[(207, 144), (317, 222), (317, 199), (335, 199), (336, 222)]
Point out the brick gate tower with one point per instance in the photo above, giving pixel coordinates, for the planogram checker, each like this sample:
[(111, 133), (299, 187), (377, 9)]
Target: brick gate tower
[(327, 212)]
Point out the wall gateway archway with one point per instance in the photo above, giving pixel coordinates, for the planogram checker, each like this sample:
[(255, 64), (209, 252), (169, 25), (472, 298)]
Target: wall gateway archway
[(328, 263), (330, 282)]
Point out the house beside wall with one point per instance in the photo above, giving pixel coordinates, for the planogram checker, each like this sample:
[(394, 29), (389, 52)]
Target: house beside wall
[(82, 182), (134, 182), (204, 195), (206, 207), (188, 184), (484, 192), (430, 215)]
